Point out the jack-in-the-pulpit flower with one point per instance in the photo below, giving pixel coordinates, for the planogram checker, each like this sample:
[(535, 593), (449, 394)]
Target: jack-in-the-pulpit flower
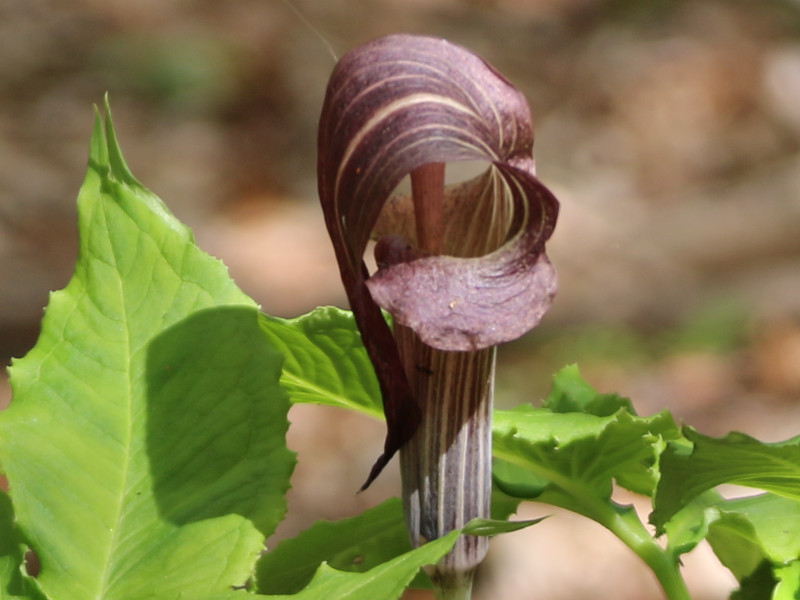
[(461, 268)]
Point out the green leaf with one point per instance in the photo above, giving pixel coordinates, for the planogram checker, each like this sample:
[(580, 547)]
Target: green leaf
[(145, 444), (11, 552), (758, 585), (736, 458), (493, 527), (384, 582), (230, 595), (503, 505), (326, 362), (788, 587), (571, 393), (10, 548), (590, 437), (360, 543), (690, 526), (579, 453), (773, 522), (735, 543), (572, 459), (355, 544), (517, 481), (754, 537)]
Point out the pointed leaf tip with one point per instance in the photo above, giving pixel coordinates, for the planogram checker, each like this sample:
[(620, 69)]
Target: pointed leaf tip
[(116, 159), (98, 151)]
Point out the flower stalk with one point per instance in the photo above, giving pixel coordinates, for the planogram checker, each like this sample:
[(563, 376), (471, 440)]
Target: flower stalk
[(461, 268), (446, 465)]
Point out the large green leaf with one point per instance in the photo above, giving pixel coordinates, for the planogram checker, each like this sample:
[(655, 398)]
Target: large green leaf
[(145, 444), (736, 458), (326, 362)]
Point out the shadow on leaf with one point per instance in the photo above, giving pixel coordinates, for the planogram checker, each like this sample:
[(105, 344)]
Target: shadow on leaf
[(216, 420)]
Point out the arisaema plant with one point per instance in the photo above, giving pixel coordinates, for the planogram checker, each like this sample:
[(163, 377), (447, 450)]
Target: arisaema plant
[(461, 269)]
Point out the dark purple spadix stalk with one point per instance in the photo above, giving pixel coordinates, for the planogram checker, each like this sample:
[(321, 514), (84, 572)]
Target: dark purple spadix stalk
[(461, 268)]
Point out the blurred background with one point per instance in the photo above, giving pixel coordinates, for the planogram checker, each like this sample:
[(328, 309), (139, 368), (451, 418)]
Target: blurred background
[(669, 130)]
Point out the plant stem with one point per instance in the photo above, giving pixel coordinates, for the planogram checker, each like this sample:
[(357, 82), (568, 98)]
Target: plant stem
[(446, 466), (623, 522), (628, 528), (669, 576), (463, 592)]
